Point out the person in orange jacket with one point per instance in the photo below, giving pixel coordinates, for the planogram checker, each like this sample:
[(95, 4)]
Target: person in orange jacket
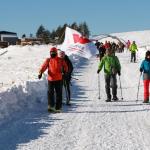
[(56, 68)]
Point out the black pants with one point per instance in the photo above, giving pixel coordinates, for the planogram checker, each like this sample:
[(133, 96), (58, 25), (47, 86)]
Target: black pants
[(133, 56), (55, 94), (111, 81), (101, 56), (66, 83)]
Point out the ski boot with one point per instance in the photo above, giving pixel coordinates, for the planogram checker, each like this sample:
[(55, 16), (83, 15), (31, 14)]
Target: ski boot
[(108, 98), (115, 98), (51, 109)]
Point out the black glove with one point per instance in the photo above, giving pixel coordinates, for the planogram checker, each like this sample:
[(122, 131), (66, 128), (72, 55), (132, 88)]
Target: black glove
[(98, 71), (40, 76), (141, 70), (119, 73), (67, 76)]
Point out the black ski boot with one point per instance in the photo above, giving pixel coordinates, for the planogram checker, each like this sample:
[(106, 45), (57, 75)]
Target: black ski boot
[(115, 98), (108, 99)]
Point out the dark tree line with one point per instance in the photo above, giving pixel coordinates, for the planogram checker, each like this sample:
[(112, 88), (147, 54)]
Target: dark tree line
[(57, 36)]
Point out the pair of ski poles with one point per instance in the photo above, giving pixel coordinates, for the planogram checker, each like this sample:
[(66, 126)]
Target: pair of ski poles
[(99, 94)]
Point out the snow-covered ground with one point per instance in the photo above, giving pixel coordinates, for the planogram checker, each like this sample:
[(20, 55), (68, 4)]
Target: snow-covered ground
[(89, 123)]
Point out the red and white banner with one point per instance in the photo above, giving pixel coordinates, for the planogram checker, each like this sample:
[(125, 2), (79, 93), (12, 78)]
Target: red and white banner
[(75, 43)]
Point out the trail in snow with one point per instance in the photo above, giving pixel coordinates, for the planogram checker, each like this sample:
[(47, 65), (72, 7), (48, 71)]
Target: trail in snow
[(89, 123)]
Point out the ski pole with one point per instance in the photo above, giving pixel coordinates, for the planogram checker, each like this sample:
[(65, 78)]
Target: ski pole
[(138, 87), (120, 89), (67, 95), (99, 87)]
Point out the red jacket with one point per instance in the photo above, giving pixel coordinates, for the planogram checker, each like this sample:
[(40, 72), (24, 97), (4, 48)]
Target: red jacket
[(55, 68), (107, 45)]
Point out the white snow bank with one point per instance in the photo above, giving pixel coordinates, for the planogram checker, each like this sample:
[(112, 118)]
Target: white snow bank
[(19, 86)]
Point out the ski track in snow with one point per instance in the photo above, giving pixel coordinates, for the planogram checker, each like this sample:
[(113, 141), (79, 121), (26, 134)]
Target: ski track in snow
[(89, 123)]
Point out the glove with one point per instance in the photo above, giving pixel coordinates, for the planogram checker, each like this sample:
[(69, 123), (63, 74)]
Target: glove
[(98, 71), (141, 70), (67, 76), (40, 76), (119, 73)]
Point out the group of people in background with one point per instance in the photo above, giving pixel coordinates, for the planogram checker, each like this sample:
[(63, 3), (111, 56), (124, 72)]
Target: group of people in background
[(119, 47)]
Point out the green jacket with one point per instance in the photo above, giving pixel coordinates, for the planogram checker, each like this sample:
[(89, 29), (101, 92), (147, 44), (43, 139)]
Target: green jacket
[(133, 48), (111, 64)]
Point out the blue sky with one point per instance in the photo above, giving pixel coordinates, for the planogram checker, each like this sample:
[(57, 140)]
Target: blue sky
[(102, 16)]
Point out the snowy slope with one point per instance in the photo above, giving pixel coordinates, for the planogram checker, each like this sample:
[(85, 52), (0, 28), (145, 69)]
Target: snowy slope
[(88, 124), (142, 38)]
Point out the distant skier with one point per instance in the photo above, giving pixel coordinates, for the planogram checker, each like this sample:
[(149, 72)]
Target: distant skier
[(67, 76), (128, 44), (107, 44), (145, 69), (102, 51), (133, 49), (97, 44), (112, 67), (54, 64)]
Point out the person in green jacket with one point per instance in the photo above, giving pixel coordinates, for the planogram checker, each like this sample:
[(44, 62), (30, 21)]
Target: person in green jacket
[(112, 67), (133, 48)]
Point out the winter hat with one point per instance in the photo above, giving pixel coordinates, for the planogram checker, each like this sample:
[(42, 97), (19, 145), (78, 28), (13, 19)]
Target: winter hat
[(53, 49)]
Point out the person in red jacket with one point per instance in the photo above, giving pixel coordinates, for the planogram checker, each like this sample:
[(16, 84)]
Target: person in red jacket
[(56, 68), (128, 44)]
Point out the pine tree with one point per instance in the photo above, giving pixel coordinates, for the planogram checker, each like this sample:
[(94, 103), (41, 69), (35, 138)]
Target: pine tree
[(46, 36), (43, 34), (23, 36), (52, 36), (83, 29), (40, 31), (74, 26), (58, 34)]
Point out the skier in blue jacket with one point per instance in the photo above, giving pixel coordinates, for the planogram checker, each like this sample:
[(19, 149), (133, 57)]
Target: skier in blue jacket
[(145, 69)]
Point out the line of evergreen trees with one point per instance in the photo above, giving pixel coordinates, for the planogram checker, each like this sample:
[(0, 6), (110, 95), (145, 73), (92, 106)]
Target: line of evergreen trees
[(57, 36)]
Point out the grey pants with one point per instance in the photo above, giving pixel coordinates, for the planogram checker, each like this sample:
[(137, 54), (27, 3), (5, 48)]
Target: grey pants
[(133, 57), (111, 82)]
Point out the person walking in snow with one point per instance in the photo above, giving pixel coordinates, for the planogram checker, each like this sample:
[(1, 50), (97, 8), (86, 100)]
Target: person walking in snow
[(102, 51), (97, 44), (145, 69), (56, 67), (112, 67), (67, 76), (133, 49), (128, 44)]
